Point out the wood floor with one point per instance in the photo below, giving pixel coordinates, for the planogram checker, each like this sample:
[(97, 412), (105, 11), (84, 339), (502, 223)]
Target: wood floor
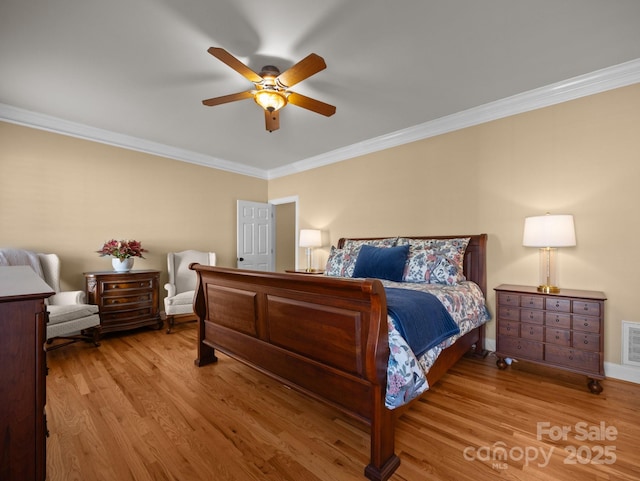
[(136, 408)]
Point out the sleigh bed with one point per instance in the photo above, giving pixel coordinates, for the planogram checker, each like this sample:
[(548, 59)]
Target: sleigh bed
[(330, 337)]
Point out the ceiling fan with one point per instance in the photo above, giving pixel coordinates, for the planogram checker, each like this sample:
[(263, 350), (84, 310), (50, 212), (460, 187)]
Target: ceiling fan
[(272, 87)]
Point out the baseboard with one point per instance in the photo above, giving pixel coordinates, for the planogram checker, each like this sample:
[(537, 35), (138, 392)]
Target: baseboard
[(490, 344), (624, 373)]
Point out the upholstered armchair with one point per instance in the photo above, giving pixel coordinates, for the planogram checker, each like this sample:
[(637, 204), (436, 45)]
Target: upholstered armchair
[(182, 284), (70, 319)]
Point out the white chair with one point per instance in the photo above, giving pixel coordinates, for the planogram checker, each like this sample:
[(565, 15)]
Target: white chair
[(70, 318), (182, 284)]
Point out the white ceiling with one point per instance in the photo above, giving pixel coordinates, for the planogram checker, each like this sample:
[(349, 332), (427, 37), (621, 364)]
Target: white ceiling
[(134, 72)]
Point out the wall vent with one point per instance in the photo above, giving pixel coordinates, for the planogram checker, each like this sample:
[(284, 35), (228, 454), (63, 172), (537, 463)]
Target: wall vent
[(631, 343)]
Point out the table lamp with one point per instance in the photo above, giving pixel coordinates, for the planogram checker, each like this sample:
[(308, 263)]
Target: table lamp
[(548, 232), (310, 238)]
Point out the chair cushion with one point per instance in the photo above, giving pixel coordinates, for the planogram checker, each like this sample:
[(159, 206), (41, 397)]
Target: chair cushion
[(184, 298), (71, 328), (58, 314)]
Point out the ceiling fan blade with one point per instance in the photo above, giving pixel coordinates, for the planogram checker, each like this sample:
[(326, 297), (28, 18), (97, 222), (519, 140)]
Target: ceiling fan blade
[(311, 104), (272, 120), (224, 56), (227, 98), (305, 68)]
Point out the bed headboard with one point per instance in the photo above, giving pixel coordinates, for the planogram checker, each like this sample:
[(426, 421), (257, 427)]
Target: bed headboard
[(475, 257)]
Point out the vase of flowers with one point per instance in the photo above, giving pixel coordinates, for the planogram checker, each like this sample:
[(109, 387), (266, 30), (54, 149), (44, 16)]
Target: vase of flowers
[(122, 252)]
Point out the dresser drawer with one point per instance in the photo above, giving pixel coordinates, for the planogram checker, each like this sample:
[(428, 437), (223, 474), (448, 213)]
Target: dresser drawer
[(520, 348), (509, 328), (532, 302), (533, 332), (127, 315), (585, 340), (508, 299), (121, 302), (557, 320), (575, 358), (557, 304), (585, 308), (557, 336), (585, 323), (509, 313), (127, 284), (529, 315)]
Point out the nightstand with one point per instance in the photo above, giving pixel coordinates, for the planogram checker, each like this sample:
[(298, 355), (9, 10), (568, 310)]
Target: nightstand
[(564, 330), (127, 300)]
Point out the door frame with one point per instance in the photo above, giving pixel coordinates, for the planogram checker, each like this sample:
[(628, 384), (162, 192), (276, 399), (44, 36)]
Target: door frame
[(293, 199)]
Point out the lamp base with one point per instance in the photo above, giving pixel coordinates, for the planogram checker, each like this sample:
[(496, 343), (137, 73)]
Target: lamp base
[(549, 289)]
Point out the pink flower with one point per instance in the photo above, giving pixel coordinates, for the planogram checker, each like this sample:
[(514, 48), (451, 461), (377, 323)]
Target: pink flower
[(122, 249)]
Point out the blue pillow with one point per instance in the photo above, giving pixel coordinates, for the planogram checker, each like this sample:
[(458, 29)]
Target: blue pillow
[(381, 262)]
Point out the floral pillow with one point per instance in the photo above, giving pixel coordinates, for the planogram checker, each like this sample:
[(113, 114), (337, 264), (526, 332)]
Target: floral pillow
[(435, 261), (356, 244), (341, 262)]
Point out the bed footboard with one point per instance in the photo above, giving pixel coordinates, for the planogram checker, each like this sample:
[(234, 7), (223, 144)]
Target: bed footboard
[(326, 337)]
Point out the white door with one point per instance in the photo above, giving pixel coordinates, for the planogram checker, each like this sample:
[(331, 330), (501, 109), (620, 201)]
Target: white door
[(256, 236)]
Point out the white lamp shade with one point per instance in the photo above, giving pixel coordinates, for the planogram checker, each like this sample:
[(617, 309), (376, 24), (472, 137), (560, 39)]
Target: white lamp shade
[(549, 231), (310, 238)]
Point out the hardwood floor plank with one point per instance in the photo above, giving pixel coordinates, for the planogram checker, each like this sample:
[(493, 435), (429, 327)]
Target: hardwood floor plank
[(137, 408)]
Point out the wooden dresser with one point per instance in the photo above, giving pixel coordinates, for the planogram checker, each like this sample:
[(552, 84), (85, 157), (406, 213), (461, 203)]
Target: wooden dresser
[(563, 330), (23, 319), (127, 300)]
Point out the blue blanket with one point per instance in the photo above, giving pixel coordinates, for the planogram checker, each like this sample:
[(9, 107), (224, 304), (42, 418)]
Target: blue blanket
[(421, 318)]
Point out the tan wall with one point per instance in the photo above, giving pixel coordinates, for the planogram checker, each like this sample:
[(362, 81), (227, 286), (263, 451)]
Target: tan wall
[(65, 195), (581, 157)]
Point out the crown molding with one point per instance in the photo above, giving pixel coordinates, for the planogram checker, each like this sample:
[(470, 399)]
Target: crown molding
[(610, 78), (621, 75), (56, 125)]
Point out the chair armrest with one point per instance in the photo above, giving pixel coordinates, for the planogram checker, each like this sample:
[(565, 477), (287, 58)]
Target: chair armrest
[(171, 289), (67, 298)]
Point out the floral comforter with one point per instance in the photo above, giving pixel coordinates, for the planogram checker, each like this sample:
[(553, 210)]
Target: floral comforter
[(406, 374)]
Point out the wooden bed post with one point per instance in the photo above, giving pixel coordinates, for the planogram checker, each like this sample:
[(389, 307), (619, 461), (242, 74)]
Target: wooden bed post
[(383, 457), (206, 354), (382, 422)]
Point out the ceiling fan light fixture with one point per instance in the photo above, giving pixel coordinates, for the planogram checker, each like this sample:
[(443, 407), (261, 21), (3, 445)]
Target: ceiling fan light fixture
[(270, 100), (271, 90)]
